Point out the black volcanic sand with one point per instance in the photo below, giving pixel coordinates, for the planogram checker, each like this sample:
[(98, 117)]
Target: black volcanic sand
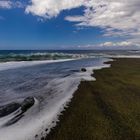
[(107, 109)]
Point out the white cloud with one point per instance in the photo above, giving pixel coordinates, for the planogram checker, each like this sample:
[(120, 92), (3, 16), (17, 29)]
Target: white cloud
[(120, 15), (5, 4), (8, 4), (111, 14), (111, 45), (116, 18), (51, 8), (117, 44)]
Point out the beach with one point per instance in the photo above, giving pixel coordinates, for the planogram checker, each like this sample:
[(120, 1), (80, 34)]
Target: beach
[(72, 98), (69, 70), (105, 109)]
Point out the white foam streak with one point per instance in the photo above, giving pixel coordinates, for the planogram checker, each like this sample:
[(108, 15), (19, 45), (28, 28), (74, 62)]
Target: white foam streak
[(13, 65)]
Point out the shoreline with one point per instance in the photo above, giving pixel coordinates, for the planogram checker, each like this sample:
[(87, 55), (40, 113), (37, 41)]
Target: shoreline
[(20, 64), (62, 124), (63, 108), (32, 134)]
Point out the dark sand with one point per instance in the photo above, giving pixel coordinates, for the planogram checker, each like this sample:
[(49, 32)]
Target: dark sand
[(107, 109)]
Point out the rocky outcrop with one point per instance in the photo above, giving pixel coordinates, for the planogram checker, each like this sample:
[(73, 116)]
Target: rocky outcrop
[(9, 108), (27, 103), (24, 106)]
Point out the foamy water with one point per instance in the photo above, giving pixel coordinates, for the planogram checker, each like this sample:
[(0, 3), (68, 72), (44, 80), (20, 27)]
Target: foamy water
[(51, 84), (13, 65)]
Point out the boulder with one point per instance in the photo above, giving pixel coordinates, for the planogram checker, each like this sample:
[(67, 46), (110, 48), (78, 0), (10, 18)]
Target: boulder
[(27, 103), (9, 108), (83, 69)]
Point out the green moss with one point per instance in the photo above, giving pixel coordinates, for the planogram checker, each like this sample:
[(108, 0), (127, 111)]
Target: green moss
[(107, 109)]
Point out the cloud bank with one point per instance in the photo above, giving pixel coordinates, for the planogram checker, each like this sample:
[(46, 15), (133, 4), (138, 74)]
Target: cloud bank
[(9, 4), (124, 45), (6, 4), (51, 8)]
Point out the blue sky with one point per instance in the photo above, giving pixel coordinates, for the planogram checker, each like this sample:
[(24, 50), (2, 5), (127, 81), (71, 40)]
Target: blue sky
[(33, 25)]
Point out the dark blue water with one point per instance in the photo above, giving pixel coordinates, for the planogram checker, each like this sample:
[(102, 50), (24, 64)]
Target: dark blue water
[(64, 51)]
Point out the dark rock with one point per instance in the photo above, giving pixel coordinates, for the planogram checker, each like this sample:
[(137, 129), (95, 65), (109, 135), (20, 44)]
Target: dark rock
[(27, 103), (42, 138), (83, 69), (9, 108)]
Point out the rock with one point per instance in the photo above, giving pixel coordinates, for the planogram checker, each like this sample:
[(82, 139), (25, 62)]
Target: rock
[(42, 138), (27, 103), (83, 69), (9, 108)]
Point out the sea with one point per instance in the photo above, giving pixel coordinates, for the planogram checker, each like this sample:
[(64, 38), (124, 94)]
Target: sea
[(50, 79)]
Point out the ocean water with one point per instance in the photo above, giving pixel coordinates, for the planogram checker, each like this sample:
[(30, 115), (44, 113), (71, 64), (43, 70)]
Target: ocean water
[(50, 80), (31, 55)]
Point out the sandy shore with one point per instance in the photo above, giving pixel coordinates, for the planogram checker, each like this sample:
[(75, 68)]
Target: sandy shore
[(107, 109)]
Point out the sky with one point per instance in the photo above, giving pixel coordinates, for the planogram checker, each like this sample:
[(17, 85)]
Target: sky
[(69, 24)]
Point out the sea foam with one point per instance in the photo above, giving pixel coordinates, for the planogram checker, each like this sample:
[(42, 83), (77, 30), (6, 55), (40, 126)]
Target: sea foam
[(13, 65), (37, 119)]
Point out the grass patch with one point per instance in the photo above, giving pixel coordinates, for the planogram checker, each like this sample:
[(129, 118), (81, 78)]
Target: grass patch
[(107, 109)]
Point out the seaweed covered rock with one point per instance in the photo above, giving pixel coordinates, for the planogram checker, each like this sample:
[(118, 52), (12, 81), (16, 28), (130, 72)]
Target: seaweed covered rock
[(27, 103), (9, 108)]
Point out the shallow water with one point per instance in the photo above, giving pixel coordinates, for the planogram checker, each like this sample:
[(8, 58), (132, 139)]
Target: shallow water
[(52, 86)]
